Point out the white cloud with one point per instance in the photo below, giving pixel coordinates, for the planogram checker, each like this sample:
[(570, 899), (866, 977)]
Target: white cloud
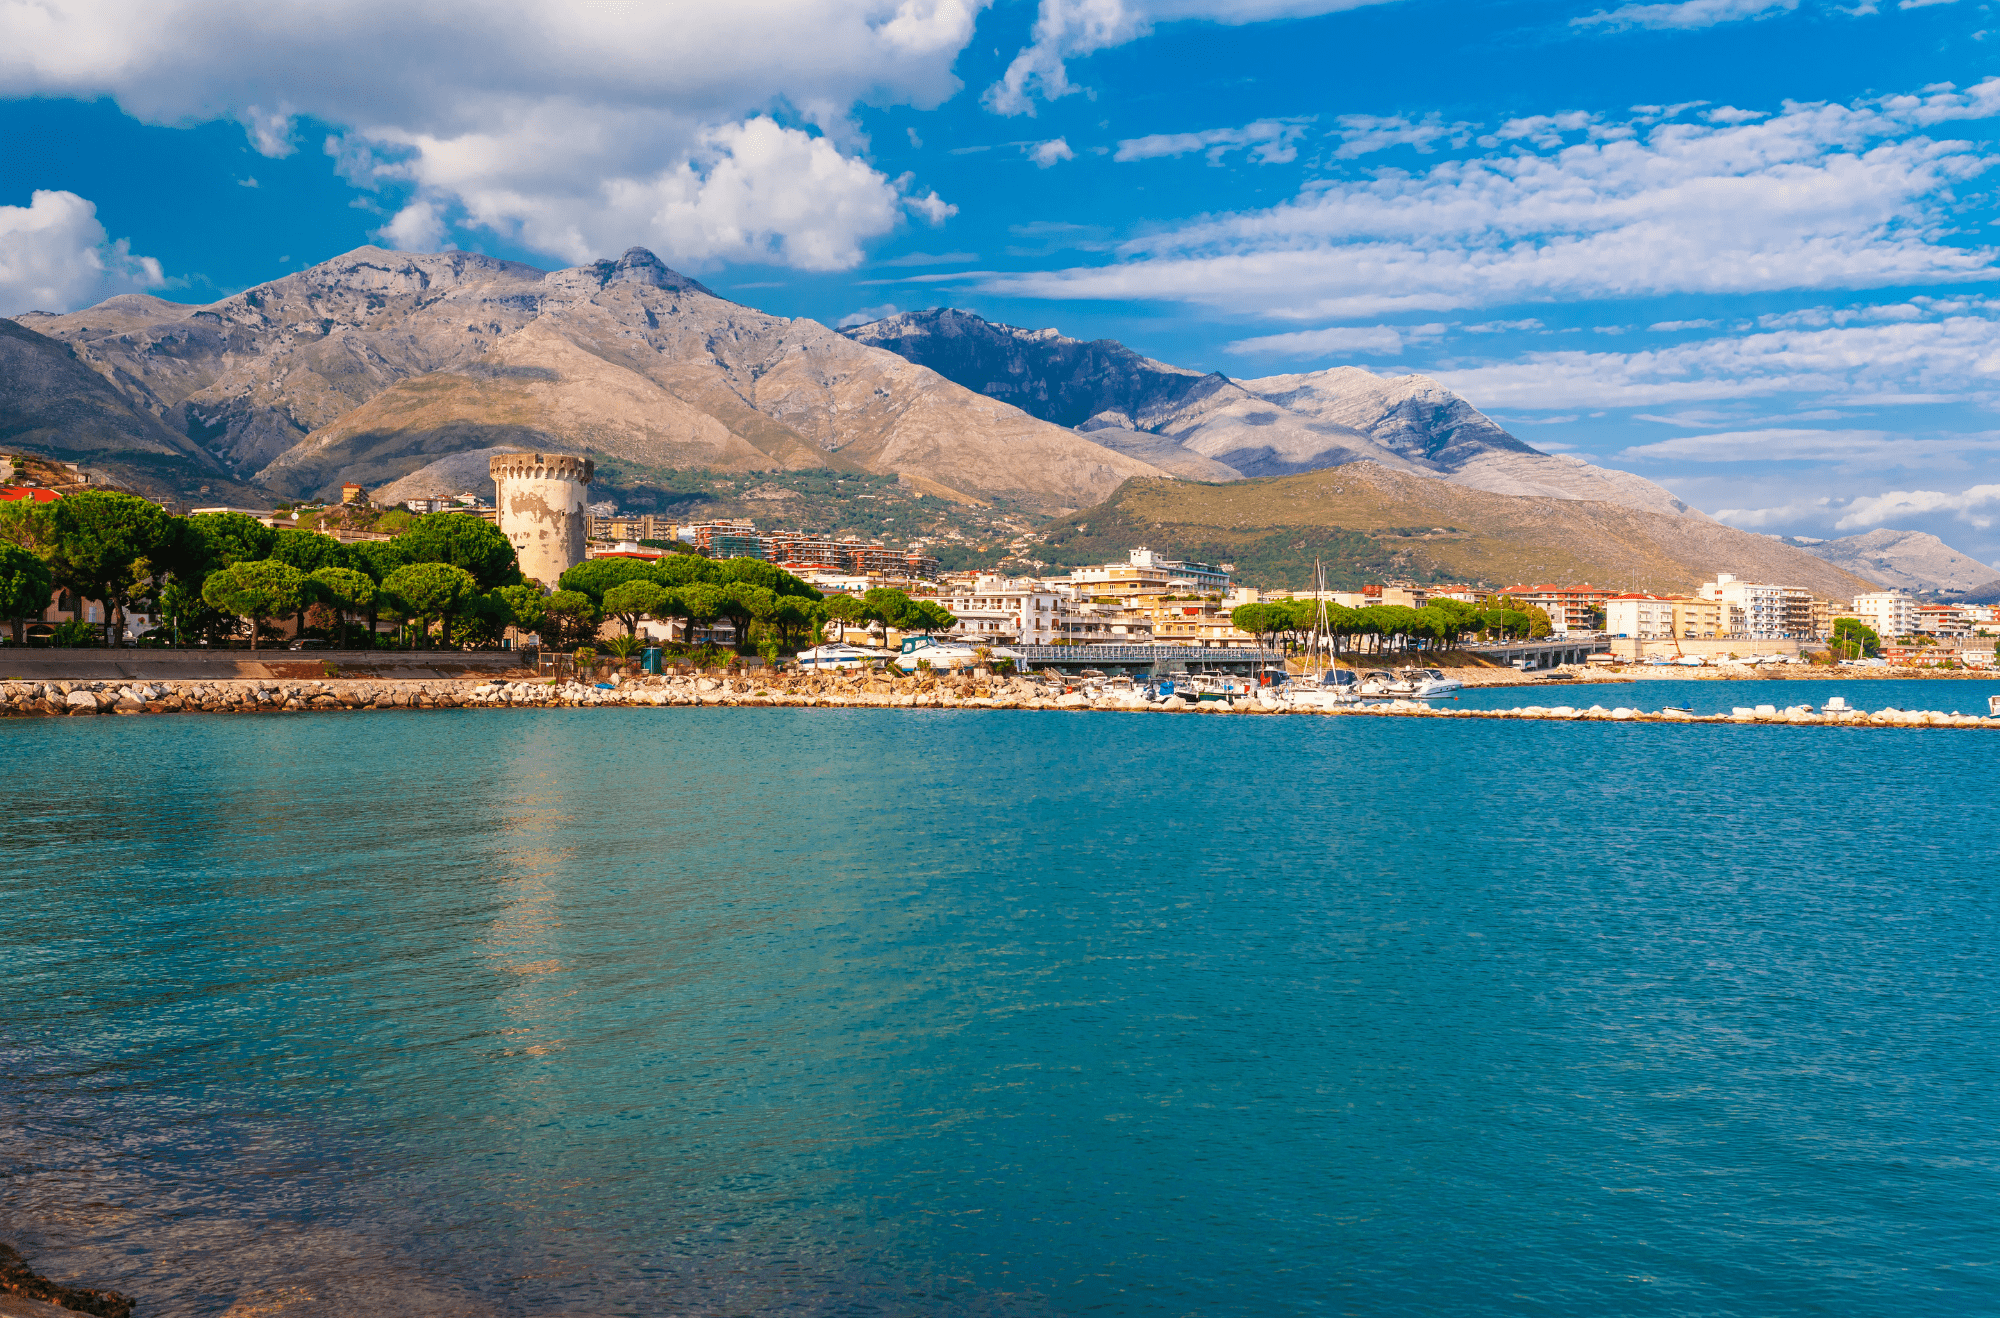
[(55, 256), (1875, 448), (1270, 142), (1372, 340), (1978, 505), (1950, 359), (575, 129), (1819, 196), (866, 315), (1686, 14), (1068, 29), (1361, 134), (930, 208), (1675, 326), (418, 227), (1049, 153), (929, 258)]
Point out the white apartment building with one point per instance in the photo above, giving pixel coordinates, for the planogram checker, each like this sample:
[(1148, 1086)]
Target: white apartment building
[(1889, 612), (1766, 615), (1645, 617), (1007, 611)]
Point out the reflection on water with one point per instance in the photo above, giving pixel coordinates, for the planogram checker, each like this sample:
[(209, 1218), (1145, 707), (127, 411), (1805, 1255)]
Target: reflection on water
[(994, 1014), (535, 834)]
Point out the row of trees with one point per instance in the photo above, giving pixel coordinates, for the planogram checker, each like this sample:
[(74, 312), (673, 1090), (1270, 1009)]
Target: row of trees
[(760, 600), (1440, 625), (201, 574), (450, 573)]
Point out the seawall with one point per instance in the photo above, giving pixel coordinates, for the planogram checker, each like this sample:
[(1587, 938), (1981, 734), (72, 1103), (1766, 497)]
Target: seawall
[(69, 699)]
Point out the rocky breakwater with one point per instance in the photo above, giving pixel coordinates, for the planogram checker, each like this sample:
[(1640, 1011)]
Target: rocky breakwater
[(831, 690), (18, 699), (1792, 716), (846, 691)]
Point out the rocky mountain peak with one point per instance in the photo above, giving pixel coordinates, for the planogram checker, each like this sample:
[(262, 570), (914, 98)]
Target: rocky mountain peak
[(639, 266)]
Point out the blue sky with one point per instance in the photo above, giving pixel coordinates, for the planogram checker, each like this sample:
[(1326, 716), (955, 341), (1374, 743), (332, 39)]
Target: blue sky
[(1745, 248)]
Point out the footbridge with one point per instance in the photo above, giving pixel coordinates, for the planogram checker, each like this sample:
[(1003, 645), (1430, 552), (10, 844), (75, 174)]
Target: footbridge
[(1550, 652)]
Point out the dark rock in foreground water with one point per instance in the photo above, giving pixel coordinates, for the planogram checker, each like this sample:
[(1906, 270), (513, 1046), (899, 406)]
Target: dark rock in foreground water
[(17, 1278)]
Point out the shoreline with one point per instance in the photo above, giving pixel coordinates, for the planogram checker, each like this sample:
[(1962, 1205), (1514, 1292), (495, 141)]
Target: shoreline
[(824, 691), (25, 1291)]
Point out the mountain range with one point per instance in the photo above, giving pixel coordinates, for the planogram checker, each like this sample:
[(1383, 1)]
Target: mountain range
[(377, 364), (372, 365), (1909, 560), (405, 371), (1207, 426)]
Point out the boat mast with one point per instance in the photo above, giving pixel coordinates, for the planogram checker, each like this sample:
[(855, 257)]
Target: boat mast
[(1322, 629)]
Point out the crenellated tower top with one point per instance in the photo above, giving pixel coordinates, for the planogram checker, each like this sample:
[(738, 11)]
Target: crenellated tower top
[(542, 466)]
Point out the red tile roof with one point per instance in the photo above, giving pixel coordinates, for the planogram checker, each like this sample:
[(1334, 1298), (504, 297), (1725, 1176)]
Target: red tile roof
[(13, 493)]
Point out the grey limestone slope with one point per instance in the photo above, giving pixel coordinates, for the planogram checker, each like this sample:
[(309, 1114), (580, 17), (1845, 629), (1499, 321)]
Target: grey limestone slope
[(248, 377), (52, 400), (1907, 560), (53, 404), (467, 472), (376, 363), (628, 359), (1210, 427)]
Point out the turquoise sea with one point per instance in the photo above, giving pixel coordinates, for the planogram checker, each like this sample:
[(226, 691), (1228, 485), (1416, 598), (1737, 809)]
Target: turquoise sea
[(909, 1013)]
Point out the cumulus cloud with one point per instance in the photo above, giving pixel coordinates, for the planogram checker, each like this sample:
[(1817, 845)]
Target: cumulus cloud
[(1819, 196), (1373, 340), (56, 256), (1049, 153), (1068, 29), (1978, 506), (1269, 141), (707, 133), (418, 227)]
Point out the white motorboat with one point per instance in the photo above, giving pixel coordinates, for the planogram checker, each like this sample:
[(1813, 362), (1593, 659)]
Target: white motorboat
[(1377, 682), (1428, 683), (1333, 688), (943, 656)]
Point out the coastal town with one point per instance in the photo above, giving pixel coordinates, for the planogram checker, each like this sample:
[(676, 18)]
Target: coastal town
[(1149, 613)]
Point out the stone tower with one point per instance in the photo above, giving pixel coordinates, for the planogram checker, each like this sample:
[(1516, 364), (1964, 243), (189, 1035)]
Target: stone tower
[(541, 501)]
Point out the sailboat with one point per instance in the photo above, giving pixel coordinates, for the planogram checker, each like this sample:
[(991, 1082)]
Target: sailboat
[(1323, 684)]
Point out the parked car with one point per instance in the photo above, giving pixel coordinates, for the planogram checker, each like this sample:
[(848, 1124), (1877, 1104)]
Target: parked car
[(308, 643)]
